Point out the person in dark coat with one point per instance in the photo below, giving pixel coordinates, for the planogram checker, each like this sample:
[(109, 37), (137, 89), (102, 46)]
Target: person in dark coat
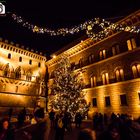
[(6, 133), (78, 119), (87, 134), (21, 117), (10, 113), (40, 130), (59, 127), (52, 117)]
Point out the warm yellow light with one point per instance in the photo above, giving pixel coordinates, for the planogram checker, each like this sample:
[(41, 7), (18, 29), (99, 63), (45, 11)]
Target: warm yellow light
[(54, 56), (89, 27)]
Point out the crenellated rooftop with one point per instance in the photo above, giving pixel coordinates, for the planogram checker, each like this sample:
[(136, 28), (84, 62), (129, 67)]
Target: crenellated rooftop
[(16, 49)]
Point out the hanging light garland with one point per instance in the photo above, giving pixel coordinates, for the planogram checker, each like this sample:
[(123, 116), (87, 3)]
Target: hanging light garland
[(106, 28)]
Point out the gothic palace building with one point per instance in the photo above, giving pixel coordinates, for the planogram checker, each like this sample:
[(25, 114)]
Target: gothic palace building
[(22, 74), (112, 69)]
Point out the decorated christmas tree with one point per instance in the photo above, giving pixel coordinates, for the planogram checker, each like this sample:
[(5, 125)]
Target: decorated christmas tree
[(67, 89)]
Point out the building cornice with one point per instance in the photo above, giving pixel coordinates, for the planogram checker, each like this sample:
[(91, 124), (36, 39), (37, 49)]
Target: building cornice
[(113, 84), (21, 51), (132, 19)]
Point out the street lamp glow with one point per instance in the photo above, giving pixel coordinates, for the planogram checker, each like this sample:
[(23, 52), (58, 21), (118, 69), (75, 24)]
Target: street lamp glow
[(54, 56)]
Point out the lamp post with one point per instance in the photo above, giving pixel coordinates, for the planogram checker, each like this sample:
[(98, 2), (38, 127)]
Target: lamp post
[(46, 91)]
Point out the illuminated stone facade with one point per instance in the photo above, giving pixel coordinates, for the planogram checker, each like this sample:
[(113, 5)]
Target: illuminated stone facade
[(22, 74), (112, 70)]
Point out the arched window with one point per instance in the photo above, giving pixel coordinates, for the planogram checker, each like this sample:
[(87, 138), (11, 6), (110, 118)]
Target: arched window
[(131, 44), (136, 70), (9, 55), (119, 73), (115, 49), (105, 78), (93, 81), (91, 58), (102, 54)]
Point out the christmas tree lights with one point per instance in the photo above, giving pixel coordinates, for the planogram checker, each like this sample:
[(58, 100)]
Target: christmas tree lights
[(67, 90)]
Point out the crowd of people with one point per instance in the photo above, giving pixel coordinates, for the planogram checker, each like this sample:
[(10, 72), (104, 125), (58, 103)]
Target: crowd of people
[(116, 127), (62, 122), (105, 127), (25, 131)]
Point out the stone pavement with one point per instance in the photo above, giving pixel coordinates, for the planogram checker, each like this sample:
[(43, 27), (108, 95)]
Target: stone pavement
[(75, 131), (68, 135)]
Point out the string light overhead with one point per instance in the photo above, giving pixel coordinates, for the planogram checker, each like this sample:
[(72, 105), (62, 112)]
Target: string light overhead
[(88, 26)]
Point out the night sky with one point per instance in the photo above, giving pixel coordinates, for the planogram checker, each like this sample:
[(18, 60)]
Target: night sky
[(56, 14)]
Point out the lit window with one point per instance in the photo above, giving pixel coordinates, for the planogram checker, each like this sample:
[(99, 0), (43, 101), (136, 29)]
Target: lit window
[(105, 78), (93, 81), (119, 75), (9, 55), (102, 54), (131, 44), (136, 70), (94, 102), (107, 101), (123, 100)]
